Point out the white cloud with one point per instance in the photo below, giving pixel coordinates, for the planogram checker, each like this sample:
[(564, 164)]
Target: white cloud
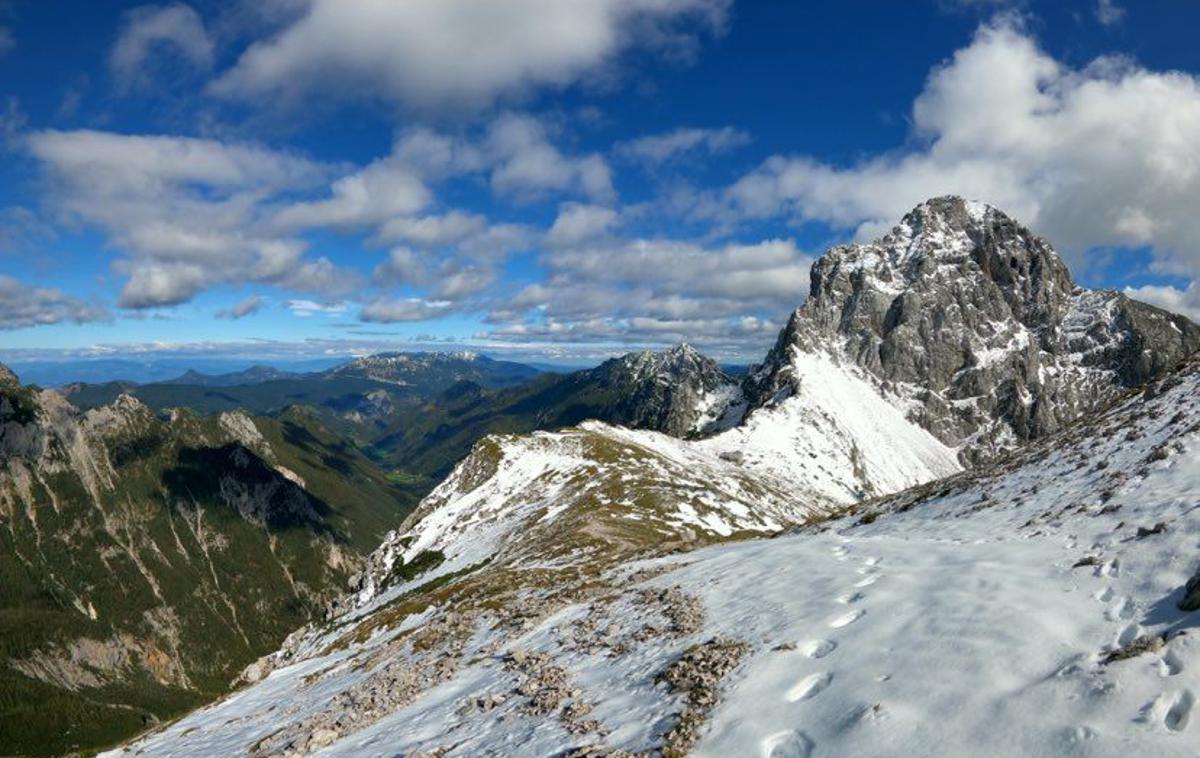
[(388, 311), (155, 284), (115, 163), (457, 53), (433, 231), (306, 308), (22, 305), (243, 308), (660, 148), (658, 292), (150, 31), (577, 222), (187, 214), (1099, 156), (526, 164), (393, 194), (384, 189), (1108, 13), (1183, 301), (403, 266)]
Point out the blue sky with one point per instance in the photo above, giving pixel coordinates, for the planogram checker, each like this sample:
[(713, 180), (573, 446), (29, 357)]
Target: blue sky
[(554, 181)]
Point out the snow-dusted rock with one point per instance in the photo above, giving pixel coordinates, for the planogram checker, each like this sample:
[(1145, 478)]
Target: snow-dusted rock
[(972, 325)]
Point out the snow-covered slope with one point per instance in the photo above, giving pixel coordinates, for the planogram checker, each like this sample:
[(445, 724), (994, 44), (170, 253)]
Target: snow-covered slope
[(978, 615), (585, 496), (835, 434)]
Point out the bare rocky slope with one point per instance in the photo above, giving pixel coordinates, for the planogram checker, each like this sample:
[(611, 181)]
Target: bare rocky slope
[(982, 483)]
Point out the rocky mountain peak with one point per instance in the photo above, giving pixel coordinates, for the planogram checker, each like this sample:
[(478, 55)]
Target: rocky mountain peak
[(679, 362), (679, 391), (974, 324), (943, 245), (7, 376)]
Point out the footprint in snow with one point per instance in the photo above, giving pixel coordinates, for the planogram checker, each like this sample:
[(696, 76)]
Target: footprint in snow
[(1172, 709), (1104, 595), (872, 561), (846, 619), (1170, 664), (1128, 634), (867, 581), (851, 597), (818, 648), (809, 686), (1122, 609), (1180, 711), (789, 744)]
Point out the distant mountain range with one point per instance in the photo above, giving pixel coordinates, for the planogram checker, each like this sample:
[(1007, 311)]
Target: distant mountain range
[(58, 373)]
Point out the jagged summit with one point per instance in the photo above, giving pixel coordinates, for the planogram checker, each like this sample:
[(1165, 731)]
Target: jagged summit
[(679, 391), (939, 242), (679, 361), (7, 376), (974, 325)]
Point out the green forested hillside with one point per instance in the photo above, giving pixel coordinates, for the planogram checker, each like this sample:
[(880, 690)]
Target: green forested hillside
[(146, 559)]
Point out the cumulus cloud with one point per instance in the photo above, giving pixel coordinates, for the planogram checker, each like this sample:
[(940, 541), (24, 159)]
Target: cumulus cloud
[(241, 309), (577, 222), (392, 195), (655, 149), (434, 230), (389, 311), (657, 292), (1184, 301), (435, 54), (150, 32), (1098, 156), (187, 214), (527, 164), (384, 189), (22, 305)]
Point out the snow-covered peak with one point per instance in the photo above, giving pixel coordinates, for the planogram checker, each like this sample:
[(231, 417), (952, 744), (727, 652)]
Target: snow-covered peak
[(380, 361)]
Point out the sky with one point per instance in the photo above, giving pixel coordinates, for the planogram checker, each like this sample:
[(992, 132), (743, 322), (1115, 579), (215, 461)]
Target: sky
[(556, 181)]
